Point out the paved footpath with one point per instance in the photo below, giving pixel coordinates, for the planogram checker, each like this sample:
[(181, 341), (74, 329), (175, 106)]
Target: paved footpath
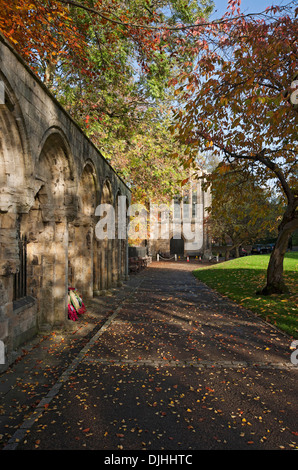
[(163, 364)]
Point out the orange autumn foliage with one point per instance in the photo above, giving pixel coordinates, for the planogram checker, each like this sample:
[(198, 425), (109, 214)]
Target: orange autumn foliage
[(40, 31)]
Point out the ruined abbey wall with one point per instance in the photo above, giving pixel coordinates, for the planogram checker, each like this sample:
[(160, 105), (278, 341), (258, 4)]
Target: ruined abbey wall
[(51, 180)]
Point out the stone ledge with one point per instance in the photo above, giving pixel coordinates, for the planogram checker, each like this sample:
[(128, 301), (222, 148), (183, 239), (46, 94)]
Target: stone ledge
[(23, 303)]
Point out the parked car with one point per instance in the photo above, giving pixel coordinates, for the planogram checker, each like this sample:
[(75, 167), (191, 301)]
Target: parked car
[(259, 249), (270, 247)]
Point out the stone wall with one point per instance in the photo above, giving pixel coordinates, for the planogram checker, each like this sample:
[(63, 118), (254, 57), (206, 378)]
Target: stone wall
[(51, 180)]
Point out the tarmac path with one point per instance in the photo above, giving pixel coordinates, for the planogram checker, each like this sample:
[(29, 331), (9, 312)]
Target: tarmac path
[(164, 364)]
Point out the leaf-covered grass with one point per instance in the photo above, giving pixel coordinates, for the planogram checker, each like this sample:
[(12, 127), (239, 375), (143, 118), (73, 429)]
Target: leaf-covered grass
[(239, 279)]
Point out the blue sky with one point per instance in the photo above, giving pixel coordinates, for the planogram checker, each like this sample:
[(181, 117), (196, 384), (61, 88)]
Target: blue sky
[(247, 6)]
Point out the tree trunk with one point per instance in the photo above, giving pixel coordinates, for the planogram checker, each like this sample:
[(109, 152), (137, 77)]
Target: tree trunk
[(275, 282), (49, 73)]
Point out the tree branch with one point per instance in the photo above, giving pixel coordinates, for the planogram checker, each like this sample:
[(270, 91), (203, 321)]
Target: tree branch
[(164, 27), (260, 157)]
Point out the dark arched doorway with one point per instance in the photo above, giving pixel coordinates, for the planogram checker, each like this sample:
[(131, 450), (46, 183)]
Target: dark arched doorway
[(177, 246)]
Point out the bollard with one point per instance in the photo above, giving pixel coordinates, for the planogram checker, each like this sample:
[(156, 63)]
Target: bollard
[(157, 257)]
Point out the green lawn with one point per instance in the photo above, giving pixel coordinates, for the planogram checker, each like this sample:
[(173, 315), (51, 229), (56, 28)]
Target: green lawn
[(240, 278)]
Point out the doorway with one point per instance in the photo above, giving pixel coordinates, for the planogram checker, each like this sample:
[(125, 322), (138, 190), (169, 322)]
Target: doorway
[(177, 246)]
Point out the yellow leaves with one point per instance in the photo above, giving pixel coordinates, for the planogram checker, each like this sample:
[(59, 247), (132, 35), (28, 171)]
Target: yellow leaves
[(245, 422), (188, 162), (223, 168), (224, 101)]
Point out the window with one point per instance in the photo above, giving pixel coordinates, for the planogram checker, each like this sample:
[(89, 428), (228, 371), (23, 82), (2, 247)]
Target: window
[(20, 278), (194, 202)]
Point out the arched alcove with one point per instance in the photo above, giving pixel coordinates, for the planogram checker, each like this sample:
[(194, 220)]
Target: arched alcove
[(105, 246), (82, 244), (116, 244), (15, 159), (15, 198), (46, 229)]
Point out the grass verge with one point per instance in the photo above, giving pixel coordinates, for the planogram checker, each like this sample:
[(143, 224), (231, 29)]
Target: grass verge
[(240, 278)]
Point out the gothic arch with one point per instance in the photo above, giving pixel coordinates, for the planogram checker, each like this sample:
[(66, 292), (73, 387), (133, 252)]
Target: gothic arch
[(82, 262), (55, 170), (15, 168), (116, 243), (87, 191), (15, 159), (46, 228), (106, 192), (105, 247)]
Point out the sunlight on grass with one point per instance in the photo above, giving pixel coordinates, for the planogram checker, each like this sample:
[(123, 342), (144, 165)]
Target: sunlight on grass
[(240, 278)]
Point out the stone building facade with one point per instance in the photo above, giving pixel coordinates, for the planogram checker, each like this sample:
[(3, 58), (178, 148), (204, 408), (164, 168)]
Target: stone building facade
[(188, 233), (52, 178)]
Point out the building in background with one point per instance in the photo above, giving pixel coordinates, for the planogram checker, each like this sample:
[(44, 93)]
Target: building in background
[(182, 228)]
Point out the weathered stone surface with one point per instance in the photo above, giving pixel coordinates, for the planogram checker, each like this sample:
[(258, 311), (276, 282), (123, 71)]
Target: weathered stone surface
[(51, 180)]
